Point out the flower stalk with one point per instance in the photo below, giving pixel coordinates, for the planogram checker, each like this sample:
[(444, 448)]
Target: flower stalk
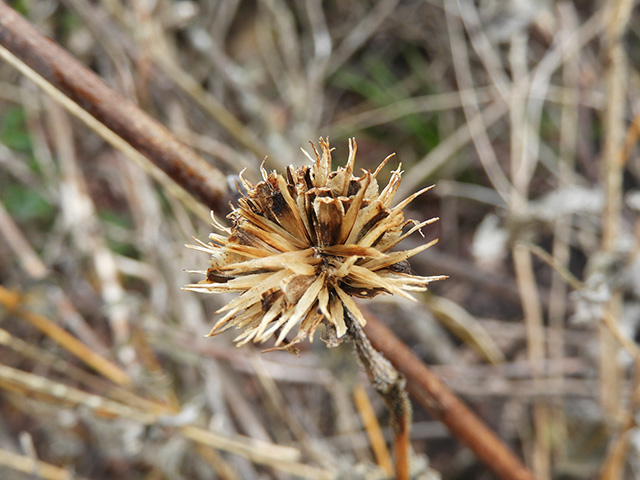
[(391, 386)]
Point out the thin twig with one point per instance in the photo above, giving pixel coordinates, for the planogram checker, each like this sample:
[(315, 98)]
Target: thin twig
[(617, 16), (524, 128), (372, 427), (561, 250)]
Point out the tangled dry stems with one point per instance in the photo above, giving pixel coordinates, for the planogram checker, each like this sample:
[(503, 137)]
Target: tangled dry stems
[(98, 250)]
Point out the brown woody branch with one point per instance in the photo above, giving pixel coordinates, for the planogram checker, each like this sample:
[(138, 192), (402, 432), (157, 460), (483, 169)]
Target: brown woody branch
[(89, 91)]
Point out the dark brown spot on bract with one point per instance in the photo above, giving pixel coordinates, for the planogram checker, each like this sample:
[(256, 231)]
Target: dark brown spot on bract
[(372, 223), (354, 187), (269, 297), (214, 276), (361, 292), (402, 267), (279, 205)]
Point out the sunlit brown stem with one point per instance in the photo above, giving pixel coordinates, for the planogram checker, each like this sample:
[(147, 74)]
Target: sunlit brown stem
[(391, 386), (401, 426)]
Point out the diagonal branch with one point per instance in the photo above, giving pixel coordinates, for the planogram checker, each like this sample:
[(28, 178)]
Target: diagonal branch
[(121, 116)]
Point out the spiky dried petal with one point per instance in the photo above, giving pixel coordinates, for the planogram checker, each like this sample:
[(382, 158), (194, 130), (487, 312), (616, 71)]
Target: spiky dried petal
[(302, 244)]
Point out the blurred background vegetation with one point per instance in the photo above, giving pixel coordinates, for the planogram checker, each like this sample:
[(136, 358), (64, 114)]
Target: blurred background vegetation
[(522, 114)]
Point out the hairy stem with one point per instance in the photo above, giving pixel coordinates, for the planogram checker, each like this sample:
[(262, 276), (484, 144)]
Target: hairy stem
[(429, 391), (391, 385)]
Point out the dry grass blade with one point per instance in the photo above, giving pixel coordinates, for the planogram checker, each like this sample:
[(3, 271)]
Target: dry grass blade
[(285, 459), (466, 327), (372, 426), (20, 381), (20, 245), (29, 466), (612, 173), (111, 137)]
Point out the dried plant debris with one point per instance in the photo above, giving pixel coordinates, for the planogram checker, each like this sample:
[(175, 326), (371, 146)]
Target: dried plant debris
[(301, 245)]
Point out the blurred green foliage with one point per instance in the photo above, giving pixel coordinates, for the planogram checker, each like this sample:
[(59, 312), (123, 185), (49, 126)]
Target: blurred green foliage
[(13, 131), (26, 205), (380, 84), (123, 222), (20, 6)]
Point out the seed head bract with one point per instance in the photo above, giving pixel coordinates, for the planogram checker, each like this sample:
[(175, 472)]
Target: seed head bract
[(303, 244)]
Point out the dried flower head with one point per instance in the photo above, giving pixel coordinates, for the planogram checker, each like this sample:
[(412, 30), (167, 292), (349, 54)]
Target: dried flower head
[(301, 245)]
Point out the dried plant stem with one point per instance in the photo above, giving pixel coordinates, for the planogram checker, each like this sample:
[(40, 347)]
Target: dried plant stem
[(391, 386), (530, 301), (613, 466), (429, 391), (167, 183), (617, 16), (372, 427), (119, 115), (562, 236), (20, 246), (524, 112)]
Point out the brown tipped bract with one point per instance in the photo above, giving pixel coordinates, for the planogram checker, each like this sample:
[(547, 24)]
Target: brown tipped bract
[(302, 244)]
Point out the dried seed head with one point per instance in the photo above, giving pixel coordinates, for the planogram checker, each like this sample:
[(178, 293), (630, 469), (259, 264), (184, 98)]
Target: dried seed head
[(302, 245)]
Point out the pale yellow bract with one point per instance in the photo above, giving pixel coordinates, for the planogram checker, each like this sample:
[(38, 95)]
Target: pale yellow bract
[(302, 245)]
